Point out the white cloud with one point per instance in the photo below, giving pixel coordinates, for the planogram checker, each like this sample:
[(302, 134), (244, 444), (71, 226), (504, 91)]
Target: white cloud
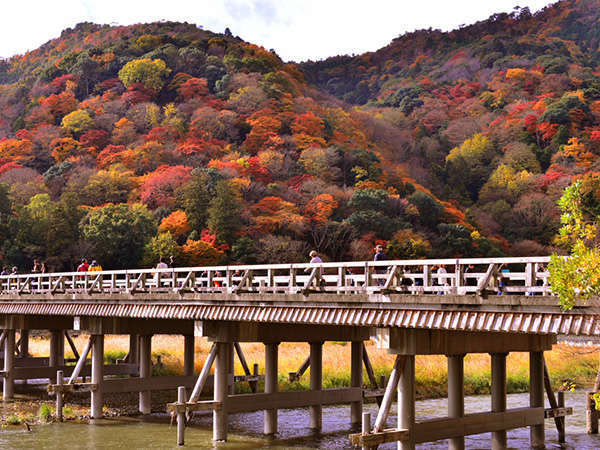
[(296, 29)]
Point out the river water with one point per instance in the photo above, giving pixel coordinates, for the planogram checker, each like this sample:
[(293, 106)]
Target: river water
[(245, 430)]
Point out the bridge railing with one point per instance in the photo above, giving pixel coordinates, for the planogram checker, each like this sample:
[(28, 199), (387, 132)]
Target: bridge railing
[(442, 276)]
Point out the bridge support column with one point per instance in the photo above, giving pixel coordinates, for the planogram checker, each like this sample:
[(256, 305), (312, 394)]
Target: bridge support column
[(132, 356), (231, 370), (271, 362), (188, 355), (8, 387), (57, 348), (456, 395), (406, 402), (145, 404), (97, 376), (356, 379), (316, 382), (221, 391), (536, 395), (499, 441), (24, 349)]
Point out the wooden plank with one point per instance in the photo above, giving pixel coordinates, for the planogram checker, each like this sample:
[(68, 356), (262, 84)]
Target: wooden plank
[(550, 413), (381, 437), (135, 384), (444, 428), (288, 400), (22, 373)]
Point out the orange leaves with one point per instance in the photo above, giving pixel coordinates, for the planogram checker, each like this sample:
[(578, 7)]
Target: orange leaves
[(578, 151), (64, 148), (200, 253), (308, 131), (320, 208), (273, 214), (264, 133), (176, 223), (16, 150)]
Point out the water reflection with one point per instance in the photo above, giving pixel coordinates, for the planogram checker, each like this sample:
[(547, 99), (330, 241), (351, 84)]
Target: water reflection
[(246, 430)]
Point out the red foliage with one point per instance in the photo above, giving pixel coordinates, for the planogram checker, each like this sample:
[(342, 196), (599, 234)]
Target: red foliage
[(9, 166), (60, 104), (110, 155), (137, 93), (193, 87), (95, 138), (159, 186)]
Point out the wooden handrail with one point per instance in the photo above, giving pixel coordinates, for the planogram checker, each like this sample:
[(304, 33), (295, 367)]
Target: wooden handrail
[(417, 276)]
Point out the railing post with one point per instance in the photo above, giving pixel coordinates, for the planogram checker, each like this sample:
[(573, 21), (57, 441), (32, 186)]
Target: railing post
[(368, 280), (426, 276), (341, 281), (292, 281), (529, 275)]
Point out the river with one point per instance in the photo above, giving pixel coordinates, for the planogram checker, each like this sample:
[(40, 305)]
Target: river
[(245, 430)]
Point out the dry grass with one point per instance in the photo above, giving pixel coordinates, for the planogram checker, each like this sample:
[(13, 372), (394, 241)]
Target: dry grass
[(565, 363)]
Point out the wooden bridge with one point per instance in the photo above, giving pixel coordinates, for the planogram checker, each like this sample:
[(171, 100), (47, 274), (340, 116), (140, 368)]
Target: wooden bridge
[(450, 307)]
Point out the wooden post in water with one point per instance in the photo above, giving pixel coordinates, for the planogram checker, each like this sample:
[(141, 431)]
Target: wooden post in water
[(188, 355), (366, 426), (271, 362), (221, 391), (316, 382), (356, 380), (406, 402), (536, 395), (181, 416), (145, 406), (8, 388), (561, 427), (456, 395), (59, 395), (498, 396), (97, 376), (591, 416)]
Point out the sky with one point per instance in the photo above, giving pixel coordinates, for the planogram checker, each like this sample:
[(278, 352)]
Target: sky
[(297, 30)]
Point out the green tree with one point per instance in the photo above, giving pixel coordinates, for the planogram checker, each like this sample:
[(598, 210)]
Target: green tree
[(151, 73), (119, 233), (576, 278), (195, 196), (224, 212), (161, 245)]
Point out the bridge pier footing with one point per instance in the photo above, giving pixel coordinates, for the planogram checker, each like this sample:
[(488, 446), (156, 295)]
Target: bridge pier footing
[(536, 395), (456, 395), (220, 391), (8, 387), (406, 403), (356, 380), (145, 406), (316, 382), (499, 441), (271, 369), (97, 376)]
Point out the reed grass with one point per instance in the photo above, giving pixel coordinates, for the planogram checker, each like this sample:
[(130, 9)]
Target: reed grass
[(565, 364)]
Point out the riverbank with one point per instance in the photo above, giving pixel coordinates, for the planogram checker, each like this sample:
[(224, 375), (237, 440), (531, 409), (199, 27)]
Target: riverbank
[(566, 364)]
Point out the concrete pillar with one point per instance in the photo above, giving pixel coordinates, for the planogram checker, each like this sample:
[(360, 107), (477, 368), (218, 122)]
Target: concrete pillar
[(456, 395), (188, 354), (8, 388), (271, 357), (316, 382), (536, 396), (499, 396), (220, 391), (134, 345), (24, 343), (57, 348), (145, 405), (406, 402), (97, 376), (356, 380)]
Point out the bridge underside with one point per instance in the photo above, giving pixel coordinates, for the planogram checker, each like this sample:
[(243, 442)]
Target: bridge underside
[(406, 325)]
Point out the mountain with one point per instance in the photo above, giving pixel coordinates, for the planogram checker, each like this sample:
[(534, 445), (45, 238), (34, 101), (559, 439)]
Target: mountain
[(133, 142)]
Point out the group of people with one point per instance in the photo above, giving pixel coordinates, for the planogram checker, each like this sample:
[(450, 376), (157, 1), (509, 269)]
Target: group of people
[(86, 267)]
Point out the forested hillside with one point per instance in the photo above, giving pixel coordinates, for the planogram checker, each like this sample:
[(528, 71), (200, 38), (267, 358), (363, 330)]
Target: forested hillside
[(129, 143)]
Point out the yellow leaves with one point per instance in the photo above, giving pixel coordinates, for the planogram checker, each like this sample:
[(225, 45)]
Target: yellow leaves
[(151, 73), (77, 121), (471, 150)]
